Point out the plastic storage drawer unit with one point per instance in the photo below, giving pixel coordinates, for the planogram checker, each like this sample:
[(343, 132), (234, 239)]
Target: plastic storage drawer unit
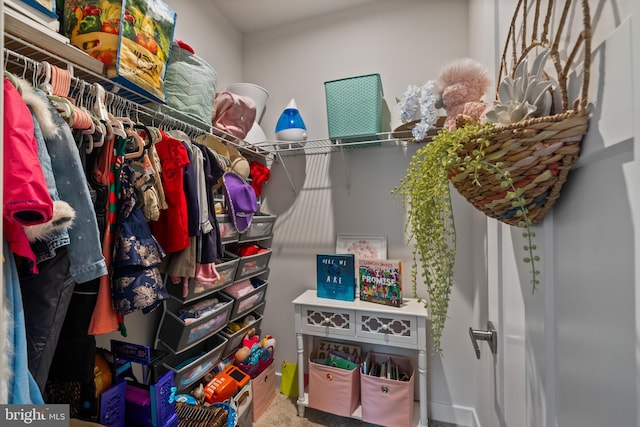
[(228, 232), (252, 265), (354, 107), (180, 334), (247, 294), (192, 364), (234, 336), (226, 268), (261, 227)]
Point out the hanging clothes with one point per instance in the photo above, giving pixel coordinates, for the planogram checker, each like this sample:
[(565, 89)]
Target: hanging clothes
[(86, 259), (26, 198), (46, 297), (172, 228), (210, 243), (137, 284), (104, 318), (47, 237), (190, 183), (22, 389)]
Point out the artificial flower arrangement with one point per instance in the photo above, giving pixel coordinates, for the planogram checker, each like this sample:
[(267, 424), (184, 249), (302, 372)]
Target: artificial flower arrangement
[(418, 107), (508, 158)]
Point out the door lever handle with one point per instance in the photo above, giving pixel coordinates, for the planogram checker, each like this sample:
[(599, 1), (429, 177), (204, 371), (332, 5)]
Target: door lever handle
[(490, 335)]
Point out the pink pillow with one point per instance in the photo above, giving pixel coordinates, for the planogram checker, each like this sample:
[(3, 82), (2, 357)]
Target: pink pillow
[(234, 114)]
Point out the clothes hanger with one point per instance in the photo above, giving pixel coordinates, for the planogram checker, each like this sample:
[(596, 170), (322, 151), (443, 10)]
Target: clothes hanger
[(139, 145), (99, 106), (117, 126), (155, 134), (126, 121), (13, 79), (64, 107), (146, 133), (46, 74), (101, 132)]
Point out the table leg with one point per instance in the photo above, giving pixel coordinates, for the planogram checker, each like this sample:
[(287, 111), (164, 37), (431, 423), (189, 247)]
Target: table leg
[(300, 347), (422, 377)]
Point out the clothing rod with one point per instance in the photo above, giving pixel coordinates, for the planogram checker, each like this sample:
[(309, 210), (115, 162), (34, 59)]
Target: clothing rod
[(152, 114), (123, 106)]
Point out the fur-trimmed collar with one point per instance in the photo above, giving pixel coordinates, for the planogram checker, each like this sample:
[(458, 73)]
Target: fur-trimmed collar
[(63, 216), (40, 108)]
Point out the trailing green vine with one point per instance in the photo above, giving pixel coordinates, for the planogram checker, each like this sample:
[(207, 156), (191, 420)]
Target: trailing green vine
[(430, 223)]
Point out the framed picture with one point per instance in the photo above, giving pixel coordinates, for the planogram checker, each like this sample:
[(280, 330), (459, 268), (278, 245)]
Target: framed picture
[(363, 247)]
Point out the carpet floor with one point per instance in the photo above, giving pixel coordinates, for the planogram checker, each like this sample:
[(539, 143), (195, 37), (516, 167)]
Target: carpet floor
[(283, 412)]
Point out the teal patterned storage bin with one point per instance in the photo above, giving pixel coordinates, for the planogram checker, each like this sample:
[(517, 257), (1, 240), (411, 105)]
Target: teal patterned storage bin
[(354, 108)]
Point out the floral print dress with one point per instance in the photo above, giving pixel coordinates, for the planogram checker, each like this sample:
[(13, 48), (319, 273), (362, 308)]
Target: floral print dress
[(137, 283)]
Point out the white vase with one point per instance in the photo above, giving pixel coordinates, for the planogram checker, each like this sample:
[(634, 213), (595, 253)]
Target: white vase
[(259, 96)]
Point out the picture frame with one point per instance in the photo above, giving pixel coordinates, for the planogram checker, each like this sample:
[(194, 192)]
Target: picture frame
[(362, 246)]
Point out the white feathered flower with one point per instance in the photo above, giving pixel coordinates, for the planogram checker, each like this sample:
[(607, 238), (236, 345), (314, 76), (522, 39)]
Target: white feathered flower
[(419, 103)]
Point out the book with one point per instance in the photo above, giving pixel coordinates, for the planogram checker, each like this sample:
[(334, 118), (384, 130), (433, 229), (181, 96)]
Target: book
[(325, 347), (381, 281), (336, 276)]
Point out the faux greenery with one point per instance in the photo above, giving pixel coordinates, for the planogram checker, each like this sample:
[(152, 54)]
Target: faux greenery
[(430, 223)]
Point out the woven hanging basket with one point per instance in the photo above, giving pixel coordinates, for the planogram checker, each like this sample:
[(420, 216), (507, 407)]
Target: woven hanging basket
[(537, 152)]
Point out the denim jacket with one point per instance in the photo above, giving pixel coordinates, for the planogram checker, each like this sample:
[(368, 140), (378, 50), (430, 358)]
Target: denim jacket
[(85, 248), (45, 249)]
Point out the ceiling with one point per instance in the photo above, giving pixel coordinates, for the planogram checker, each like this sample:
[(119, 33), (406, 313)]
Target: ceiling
[(256, 15)]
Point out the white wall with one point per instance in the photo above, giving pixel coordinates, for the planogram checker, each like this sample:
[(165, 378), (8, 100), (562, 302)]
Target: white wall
[(201, 24), (406, 42)]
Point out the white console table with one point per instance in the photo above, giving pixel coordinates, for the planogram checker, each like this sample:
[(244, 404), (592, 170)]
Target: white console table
[(359, 321)]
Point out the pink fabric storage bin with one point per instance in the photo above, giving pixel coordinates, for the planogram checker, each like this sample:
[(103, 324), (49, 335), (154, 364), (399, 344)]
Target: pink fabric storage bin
[(388, 402), (264, 390), (334, 390)]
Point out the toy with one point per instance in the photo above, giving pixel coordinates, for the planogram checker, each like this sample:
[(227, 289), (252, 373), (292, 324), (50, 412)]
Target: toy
[(225, 384), (461, 85), (251, 339), (268, 341), (248, 342), (254, 349)]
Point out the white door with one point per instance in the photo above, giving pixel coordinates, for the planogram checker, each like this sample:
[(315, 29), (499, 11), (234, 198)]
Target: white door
[(567, 355), (506, 312)]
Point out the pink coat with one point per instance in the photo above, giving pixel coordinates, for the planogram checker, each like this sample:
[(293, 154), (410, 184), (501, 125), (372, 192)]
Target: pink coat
[(26, 199)]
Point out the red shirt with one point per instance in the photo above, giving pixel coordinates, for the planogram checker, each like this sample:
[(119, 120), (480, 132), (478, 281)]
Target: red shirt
[(172, 227)]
